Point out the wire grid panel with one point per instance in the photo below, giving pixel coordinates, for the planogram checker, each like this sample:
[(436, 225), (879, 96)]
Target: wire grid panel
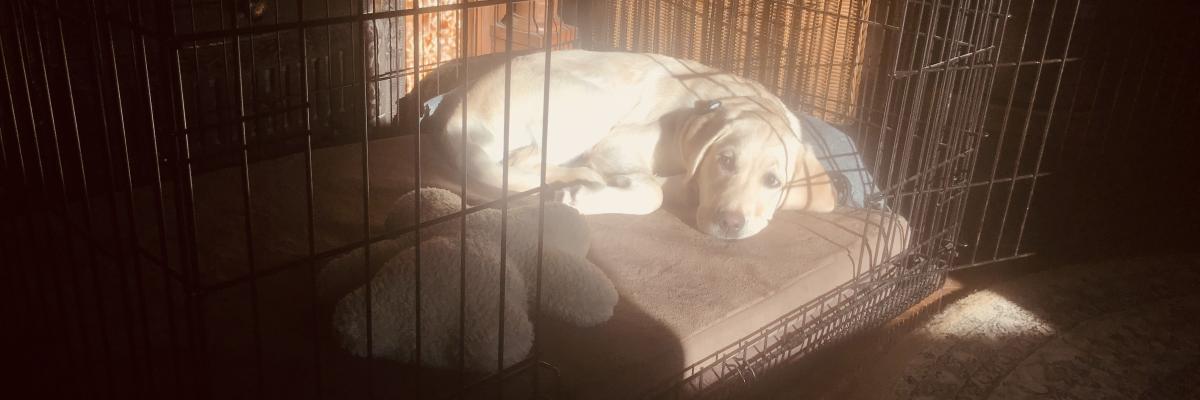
[(811, 51), (86, 119), (373, 70), (112, 107), (869, 299), (951, 102)]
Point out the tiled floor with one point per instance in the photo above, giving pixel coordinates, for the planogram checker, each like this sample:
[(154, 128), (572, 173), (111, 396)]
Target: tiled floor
[(839, 371)]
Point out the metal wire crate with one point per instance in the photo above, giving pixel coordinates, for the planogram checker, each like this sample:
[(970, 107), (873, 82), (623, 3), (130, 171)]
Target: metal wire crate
[(116, 106)]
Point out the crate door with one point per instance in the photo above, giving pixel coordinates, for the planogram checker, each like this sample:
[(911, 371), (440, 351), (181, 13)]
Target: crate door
[(1033, 102), (959, 120)]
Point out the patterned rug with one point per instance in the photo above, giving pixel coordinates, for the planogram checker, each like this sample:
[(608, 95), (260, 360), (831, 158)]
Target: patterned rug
[(1127, 329)]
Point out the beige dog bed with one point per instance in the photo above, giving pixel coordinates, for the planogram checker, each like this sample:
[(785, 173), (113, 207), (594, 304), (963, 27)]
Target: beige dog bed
[(684, 295)]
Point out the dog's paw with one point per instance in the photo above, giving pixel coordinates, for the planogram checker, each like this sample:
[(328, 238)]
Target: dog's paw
[(560, 196), (620, 181), (574, 194)]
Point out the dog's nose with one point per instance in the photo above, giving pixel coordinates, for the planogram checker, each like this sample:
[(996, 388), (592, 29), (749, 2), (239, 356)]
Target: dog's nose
[(732, 222)]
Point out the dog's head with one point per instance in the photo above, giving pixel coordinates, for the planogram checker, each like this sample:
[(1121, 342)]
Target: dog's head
[(745, 159)]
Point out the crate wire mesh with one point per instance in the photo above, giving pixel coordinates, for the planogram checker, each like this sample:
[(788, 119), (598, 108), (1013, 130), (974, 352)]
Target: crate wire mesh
[(952, 103), (953, 117), (811, 52)]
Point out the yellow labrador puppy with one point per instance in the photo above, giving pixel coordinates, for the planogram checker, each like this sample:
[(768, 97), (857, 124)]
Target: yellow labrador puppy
[(624, 127)]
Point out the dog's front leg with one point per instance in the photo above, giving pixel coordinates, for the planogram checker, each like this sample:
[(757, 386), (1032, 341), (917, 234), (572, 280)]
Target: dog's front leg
[(635, 194), (676, 191)]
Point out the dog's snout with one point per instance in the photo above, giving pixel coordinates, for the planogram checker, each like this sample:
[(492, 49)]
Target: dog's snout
[(731, 222)]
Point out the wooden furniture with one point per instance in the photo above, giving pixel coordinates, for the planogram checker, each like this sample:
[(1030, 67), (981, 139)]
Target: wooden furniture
[(441, 33)]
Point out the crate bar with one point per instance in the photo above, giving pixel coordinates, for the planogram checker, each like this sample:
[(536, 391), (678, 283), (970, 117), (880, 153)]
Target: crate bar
[(28, 209), (192, 302), (87, 214), (858, 20), (138, 44), (1037, 80), (496, 377), (967, 87), (1114, 118), (11, 270), (508, 36), (862, 121), (396, 83), (934, 129), (907, 119), (946, 270), (891, 87), (1046, 131), (184, 196), (918, 205), (417, 107), (280, 125), (983, 113), (76, 357), (1122, 135), (134, 248), (975, 185), (1010, 64), (173, 77), (944, 64), (362, 19), (547, 44), (247, 204), (72, 228), (1116, 101), (110, 19), (31, 281), (1094, 103), (122, 253), (817, 331), (912, 109), (310, 215), (977, 110), (1065, 137), (251, 117), (957, 126), (1012, 90), (329, 69), (1181, 77), (462, 229), (902, 261)]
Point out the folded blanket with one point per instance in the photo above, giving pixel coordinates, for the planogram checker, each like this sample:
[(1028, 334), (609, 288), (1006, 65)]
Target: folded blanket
[(841, 159)]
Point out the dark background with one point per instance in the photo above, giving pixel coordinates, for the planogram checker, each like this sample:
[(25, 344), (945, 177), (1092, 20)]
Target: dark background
[(1127, 183)]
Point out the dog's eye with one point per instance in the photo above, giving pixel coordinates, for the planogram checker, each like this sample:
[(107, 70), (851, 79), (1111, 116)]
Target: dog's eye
[(727, 162), (772, 181)]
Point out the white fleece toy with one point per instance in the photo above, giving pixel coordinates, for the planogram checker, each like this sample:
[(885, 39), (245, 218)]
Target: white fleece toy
[(573, 289)]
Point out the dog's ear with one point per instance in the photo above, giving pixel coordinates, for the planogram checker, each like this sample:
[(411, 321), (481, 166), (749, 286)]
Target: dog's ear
[(701, 129), (810, 187)]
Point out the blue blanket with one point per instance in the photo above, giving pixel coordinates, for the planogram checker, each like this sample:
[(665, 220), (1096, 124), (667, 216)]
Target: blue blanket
[(841, 159)]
